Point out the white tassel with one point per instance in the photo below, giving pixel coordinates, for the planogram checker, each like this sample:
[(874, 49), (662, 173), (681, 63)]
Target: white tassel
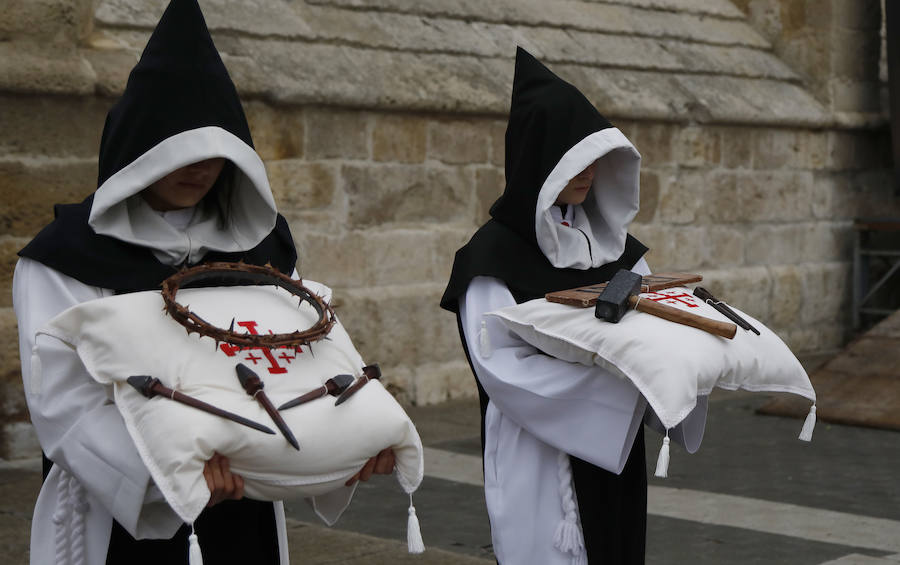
[(195, 557), (568, 537), (809, 425), (36, 372), (414, 541), (662, 464), (484, 342)]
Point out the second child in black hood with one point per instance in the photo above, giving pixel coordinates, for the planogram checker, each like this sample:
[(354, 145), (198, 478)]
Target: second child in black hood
[(564, 470)]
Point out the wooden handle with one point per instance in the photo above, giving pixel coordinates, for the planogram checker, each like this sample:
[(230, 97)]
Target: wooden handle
[(723, 329)]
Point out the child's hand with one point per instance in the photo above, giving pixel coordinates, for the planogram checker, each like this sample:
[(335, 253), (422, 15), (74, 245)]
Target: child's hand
[(223, 485), (382, 464)]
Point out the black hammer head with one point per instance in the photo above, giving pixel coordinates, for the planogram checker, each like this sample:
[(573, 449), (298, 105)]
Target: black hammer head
[(613, 301)]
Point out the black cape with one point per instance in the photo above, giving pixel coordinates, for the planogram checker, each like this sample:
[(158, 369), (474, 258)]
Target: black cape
[(547, 117), (179, 84)]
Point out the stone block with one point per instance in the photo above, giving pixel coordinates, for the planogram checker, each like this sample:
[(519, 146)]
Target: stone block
[(775, 148), (30, 190), (726, 246), (489, 185), (57, 21), (772, 196), (649, 196), (432, 383), (788, 291), (700, 196), (737, 147), (379, 257), (827, 295), (399, 138), (111, 63), (812, 150), (277, 130), (698, 147), (400, 325), (398, 193), (336, 134), (19, 441), (459, 141), (654, 141), (749, 289), (776, 244), (64, 126), (301, 185), (32, 68), (841, 150)]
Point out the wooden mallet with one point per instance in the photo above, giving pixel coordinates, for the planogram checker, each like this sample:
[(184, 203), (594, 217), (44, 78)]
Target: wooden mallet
[(621, 293)]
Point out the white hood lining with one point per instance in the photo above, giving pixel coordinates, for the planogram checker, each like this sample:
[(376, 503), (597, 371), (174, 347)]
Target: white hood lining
[(118, 213), (611, 204)]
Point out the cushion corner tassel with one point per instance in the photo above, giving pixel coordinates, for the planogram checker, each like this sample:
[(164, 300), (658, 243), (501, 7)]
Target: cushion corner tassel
[(662, 463), (195, 557), (808, 425), (414, 541)]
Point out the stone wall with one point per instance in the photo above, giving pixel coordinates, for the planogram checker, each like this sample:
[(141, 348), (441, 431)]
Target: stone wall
[(382, 127)]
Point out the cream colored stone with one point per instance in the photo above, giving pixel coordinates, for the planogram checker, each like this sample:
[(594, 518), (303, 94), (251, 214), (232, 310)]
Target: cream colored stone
[(399, 138), (489, 185), (379, 257), (769, 196), (459, 142), (277, 130), (51, 126), (396, 193), (777, 244), (400, 324), (30, 190), (497, 131), (737, 147), (301, 185), (336, 134), (684, 197), (33, 68), (787, 295), (19, 441), (56, 21), (698, 147), (827, 293), (649, 196), (654, 142), (748, 288), (440, 382)]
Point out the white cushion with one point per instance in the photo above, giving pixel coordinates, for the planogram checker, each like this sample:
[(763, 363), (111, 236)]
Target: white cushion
[(130, 334), (671, 364)]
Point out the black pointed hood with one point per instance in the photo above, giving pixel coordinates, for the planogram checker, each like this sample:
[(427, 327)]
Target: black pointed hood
[(179, 107), (553, 134), (179, 84)]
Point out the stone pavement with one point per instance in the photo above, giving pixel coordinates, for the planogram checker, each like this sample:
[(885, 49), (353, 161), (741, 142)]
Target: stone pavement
[(752, 494)]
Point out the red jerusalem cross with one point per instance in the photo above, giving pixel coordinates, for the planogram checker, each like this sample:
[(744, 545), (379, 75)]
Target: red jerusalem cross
[(274, 367), (680, 297)]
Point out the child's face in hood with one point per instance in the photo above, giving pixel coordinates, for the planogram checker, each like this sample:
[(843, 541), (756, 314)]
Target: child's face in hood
[(577, 189), (184, 187)]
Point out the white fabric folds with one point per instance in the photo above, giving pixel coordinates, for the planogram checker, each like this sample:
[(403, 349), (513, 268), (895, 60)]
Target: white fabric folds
[(120, 336), (670, 364)]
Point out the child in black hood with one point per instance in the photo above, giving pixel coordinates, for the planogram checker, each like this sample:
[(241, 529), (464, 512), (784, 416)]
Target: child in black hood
[(179, 184), (565, 476)]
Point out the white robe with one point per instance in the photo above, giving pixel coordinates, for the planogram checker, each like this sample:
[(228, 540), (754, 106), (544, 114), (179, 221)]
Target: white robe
[(539, 406), (82, 432)]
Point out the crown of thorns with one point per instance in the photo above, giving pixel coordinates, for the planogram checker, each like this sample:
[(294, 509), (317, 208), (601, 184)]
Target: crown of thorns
[(245, 274)]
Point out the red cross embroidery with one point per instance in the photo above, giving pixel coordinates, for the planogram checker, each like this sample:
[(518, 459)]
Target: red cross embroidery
[(274, 367), (565, 223), (675, 296)]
